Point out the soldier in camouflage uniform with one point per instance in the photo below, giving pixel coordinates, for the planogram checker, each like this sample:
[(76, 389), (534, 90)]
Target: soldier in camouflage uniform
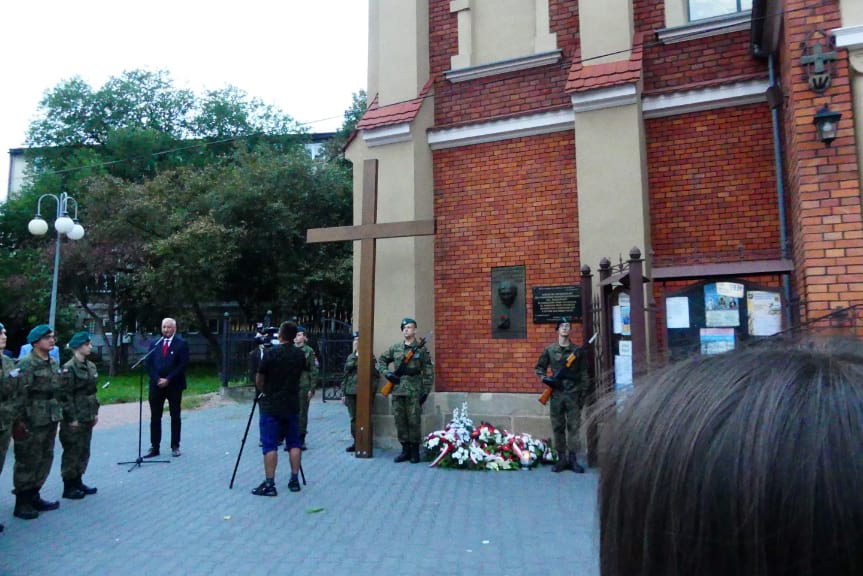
[(39, 411), (8, 398), (308, 382), (80, 414), (349, 388), (567, 398), (414, 386)]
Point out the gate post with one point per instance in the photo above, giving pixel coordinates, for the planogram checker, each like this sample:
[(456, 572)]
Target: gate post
[(636, 315), (226, 323)]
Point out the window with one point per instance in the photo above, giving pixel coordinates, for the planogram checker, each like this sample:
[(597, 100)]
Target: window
[(700, 9)]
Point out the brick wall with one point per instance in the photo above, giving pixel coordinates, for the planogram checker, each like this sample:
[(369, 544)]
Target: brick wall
[(699, 62), (499, 204), (502, 95), (713, 186), (823, 183)]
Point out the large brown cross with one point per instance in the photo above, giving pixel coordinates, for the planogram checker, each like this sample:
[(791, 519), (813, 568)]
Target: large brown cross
[(368, 232)]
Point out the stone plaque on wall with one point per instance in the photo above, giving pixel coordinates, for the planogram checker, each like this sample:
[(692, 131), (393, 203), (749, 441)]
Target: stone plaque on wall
[(552, 302), (508, 308)]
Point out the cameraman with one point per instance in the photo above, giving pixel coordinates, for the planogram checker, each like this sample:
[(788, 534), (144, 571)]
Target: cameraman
[(278, 380)]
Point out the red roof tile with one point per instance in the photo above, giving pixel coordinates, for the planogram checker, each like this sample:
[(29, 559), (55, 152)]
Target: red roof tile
[(398, 113), (591, 76)]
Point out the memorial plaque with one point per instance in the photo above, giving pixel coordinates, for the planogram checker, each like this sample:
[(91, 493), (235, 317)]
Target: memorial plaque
[(552, 302), (508, 307)]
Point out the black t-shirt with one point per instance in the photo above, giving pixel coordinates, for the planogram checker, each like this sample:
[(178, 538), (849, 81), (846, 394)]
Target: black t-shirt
[(281, 367)]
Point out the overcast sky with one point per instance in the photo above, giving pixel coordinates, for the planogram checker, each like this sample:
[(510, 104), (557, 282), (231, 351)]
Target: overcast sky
[(304, 56)]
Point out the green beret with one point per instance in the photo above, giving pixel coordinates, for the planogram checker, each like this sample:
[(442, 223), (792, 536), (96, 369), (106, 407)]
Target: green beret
[(301, 329), (563, 320), (79, 339), (38, 333), (406, 321)]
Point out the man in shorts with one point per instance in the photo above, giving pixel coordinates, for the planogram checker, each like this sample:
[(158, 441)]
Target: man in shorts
[(278, 381)]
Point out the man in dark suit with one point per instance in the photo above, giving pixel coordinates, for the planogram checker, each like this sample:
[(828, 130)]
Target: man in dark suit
[(166, 365)]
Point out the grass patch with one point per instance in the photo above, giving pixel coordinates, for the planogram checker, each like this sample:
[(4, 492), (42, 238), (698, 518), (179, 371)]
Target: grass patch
[(200, 380)]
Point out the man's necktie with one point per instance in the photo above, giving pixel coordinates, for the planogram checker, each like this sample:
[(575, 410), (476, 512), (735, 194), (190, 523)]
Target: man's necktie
[(165, 349)]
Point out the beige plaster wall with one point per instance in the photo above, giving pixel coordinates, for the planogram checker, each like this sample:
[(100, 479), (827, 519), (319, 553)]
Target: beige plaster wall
[(852, 15), (502, 29), (372, 48), (404, 267), (676, 13), (613, 211), (398, 44), (605, 29), (852, 12)]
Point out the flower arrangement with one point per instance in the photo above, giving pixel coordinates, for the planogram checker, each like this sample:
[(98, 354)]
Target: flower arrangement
[(461, 445)]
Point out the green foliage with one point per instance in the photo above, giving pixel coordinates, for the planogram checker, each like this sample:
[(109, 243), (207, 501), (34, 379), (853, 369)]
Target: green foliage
[(333, 149), (186, 201)]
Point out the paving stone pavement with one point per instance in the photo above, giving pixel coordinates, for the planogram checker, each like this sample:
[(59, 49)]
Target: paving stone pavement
[(376, 517)]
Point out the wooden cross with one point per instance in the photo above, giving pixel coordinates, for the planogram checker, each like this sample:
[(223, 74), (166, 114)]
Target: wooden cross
[(368, 232)]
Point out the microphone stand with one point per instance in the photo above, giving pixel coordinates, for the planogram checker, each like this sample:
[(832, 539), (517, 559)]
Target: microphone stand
[(137, 462)]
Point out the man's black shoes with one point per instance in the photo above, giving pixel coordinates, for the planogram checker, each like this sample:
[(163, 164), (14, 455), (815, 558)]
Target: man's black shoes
[(266, 489), (351, 448), (152, 453), (294, 485)]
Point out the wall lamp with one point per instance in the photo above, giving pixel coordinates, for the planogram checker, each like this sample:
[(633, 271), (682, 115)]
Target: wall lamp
[(826, 124)]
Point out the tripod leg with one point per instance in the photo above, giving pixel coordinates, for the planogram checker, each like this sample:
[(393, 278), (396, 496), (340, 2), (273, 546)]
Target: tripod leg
[(243, 443)]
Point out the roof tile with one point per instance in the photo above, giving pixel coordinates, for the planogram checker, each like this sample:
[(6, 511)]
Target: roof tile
[(591, 76)]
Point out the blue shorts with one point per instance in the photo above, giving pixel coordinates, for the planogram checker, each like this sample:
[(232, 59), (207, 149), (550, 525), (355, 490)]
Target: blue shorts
[(274, 429)]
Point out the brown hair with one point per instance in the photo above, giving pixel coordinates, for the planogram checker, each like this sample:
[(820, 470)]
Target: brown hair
[(744, 463)]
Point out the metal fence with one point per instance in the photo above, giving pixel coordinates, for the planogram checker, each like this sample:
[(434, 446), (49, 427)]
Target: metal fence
[(330, 338)]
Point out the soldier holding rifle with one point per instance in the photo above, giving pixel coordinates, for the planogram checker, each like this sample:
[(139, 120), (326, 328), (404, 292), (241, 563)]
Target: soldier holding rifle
[(567, 398), (412, 382)]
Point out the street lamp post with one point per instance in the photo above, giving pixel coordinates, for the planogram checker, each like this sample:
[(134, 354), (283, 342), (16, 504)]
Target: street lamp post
[(64, 225)]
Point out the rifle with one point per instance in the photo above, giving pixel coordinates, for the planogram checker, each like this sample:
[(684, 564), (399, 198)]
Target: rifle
[(553, 381), (394, 378)]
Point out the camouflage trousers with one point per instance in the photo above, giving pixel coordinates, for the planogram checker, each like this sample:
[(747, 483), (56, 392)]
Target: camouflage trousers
[(566, 420), (76, 449), (408, 418), (33, 457), (5, 435), (304, 411), (351, 404)]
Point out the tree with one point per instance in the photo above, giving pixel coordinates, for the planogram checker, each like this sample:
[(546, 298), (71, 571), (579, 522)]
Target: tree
[(187, 202), (334, 149)]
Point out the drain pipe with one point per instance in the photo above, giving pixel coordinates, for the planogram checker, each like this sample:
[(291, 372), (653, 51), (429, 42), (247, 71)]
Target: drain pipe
[(780, 188)]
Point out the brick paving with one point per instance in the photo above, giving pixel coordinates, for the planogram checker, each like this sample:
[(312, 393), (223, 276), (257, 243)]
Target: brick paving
[(377, 517)]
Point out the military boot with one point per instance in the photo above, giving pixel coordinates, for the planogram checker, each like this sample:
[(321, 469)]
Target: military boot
[(42, 505), (88, 490), (562, 462), (24, 505), (71, 490), (574, 465), (415, 453), (405, 454)]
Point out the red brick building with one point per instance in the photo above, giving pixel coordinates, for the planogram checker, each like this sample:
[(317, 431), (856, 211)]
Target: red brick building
[(545, 135)]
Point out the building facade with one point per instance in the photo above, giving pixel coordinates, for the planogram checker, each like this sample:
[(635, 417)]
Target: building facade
[(544, 136)]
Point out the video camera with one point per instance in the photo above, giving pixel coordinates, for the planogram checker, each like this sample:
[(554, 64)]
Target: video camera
[(266, 336)]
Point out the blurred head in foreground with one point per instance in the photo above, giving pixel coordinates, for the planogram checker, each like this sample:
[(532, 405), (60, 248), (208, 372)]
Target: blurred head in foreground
[(745, 463)]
